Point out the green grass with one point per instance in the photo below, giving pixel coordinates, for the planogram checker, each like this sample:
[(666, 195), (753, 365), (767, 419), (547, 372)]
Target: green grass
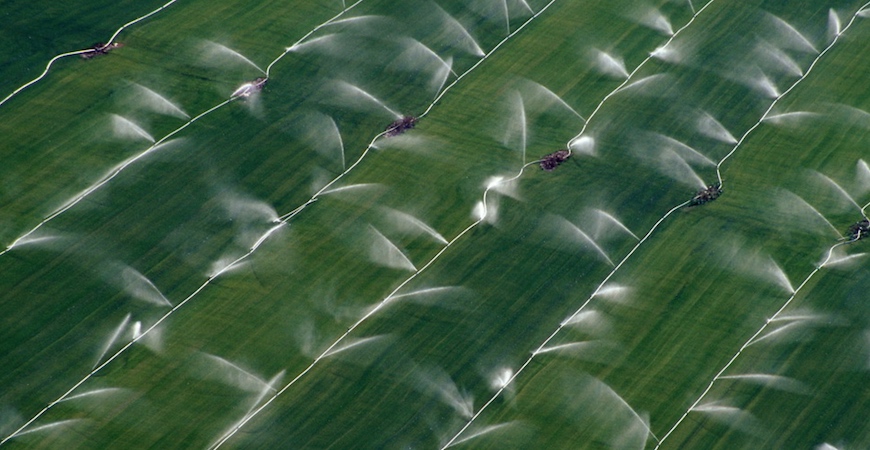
[(696, 290)]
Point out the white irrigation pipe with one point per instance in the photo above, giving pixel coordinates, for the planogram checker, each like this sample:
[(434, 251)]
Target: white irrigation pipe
[(79, 52), (253, 248)]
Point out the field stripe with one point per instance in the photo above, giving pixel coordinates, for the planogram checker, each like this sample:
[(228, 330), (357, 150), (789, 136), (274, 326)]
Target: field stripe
[(616, 268), (749, 342), (179, 305), (718, 166), (118, 169), (79, 52), (813, 273), (392, 294), (633, 72), (283, 219)]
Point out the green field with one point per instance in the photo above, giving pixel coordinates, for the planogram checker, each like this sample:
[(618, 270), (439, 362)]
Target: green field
[(188, 269)]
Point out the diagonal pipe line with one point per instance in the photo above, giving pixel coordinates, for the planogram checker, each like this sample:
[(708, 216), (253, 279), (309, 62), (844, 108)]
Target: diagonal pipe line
[(392, 294), (79, 52), (176, 307), (621, 262), (111, 175), (749, 342), (718, 166), (262, 239), (118, 169), (372, 312), (633, 72), (807, 279)]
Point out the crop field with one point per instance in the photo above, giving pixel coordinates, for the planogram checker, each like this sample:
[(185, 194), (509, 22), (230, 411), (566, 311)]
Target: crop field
[(220, 233)]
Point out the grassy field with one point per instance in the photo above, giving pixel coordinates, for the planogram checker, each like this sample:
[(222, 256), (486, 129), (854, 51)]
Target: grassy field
[(432, 291)]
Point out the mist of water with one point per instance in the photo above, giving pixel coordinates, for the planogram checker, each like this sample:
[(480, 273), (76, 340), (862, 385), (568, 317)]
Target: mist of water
[(249, 209), (436, 382), (835, 26), (125, 128), (839, 190), (350, 345), (789, 37), (325, 44), (416, 57), (610, 65), (712, 128), (583, 145), (138, 286), (792, 119), (407, 223), (515, 134), (153, 340), (214, 368), (841, 260), (670, 53), (803, 215), (501, 10), (113, 338), (687, 153), (643, 85), (775, 58), (755, 78), (600, 351), (153, 101), (95, 393), (320, 132), (862, 177), (671, 164), (653, 18), (613, 292), (352, 188), (732, 254), (605, 224), (352, 96), (572, 233), (539, 98), (730, 416), (450, 297), (501, 378), (777, 382), (789, 332), (49, 426), (477, 432), (459, 34), (219, 54), (592, 322), (30, 239), (384, 252)]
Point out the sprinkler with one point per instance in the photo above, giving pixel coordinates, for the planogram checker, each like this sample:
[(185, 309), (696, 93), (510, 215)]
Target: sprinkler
[(400, 126), (553, 160)]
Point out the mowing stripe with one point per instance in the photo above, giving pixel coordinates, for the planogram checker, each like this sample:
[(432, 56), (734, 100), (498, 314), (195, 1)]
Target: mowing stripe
[(105, 180), (636, 69), (807, 279), (392, 294), (118, 169), (790, 88), (749, 342), (283, 219), (621, 262), (79, 52)]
